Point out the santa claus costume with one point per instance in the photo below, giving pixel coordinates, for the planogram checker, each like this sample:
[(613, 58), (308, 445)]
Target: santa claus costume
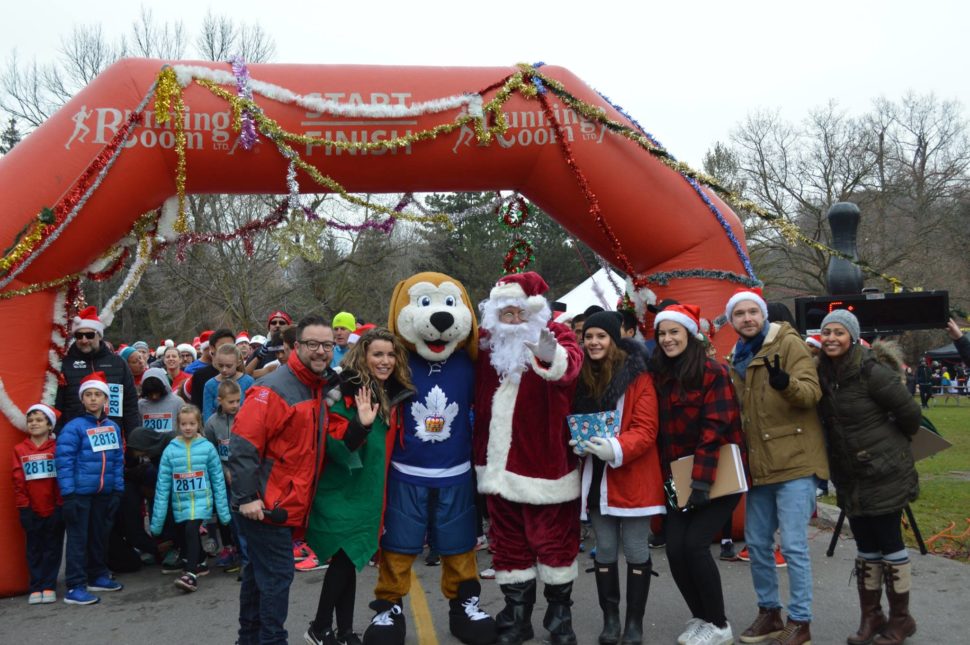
[(525, 379)]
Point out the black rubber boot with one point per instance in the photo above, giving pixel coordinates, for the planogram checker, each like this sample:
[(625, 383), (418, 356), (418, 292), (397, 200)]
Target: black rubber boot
[(637, 590), (514, 622), (559, 617), (608, 589)]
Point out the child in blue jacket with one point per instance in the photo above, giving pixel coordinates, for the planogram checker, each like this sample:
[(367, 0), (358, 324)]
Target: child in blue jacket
[(90, 463), (190, 474)]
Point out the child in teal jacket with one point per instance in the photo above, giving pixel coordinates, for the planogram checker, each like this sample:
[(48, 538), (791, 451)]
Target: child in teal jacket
[(190, 474)]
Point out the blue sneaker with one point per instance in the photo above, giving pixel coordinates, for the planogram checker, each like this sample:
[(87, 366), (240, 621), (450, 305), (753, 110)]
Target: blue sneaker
[(80, 596), (105, 583)]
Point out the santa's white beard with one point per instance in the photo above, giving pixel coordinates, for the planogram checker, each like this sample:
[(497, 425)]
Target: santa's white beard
[(509, 354)]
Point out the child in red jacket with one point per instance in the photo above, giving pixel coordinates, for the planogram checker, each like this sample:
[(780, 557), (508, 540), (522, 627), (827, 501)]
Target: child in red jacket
[(38, 500)]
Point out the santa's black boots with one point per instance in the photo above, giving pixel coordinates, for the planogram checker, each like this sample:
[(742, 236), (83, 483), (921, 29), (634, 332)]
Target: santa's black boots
[(514, 622), (559, 618)]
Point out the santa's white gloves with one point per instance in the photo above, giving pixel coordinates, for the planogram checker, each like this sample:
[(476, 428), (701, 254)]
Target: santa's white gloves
[(596, 446), (545, 349)]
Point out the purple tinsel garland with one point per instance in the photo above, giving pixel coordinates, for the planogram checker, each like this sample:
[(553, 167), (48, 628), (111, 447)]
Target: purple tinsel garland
[(247, 132)]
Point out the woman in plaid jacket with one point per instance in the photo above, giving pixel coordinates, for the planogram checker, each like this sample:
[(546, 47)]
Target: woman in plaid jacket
[(699, 413)]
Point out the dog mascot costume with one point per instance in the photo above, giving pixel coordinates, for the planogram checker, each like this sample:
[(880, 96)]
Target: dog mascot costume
[(430, 484), (524, 384)]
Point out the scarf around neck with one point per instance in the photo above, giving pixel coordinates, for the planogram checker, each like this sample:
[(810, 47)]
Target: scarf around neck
[(745, 350)]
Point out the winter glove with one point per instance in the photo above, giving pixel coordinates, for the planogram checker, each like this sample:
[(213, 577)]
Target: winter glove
[(545, 349), (69, 509), (579, 448), (698, 498), (777, 377), (600, 447), (26, 518)]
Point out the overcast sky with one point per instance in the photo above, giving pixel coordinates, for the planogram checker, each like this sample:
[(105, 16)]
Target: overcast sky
[(688, 71)]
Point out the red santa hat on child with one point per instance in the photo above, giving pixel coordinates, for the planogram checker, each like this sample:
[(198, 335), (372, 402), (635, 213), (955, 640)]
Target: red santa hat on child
[(687, 315), (520, 289), (52, 414), (87, 318), (95, 381), (243, 337), (741, 295), (815, 340)]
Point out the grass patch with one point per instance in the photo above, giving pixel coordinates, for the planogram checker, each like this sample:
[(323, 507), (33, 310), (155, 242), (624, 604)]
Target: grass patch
[(943, 508)]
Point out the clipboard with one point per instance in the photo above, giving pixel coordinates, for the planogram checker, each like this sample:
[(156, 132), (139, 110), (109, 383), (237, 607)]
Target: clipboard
[(728, 480)]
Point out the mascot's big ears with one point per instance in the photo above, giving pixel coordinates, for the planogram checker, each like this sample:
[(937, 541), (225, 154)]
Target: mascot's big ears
[(400, 299)]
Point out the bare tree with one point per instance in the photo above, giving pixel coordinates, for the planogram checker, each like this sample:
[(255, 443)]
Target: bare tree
[(221, 38)]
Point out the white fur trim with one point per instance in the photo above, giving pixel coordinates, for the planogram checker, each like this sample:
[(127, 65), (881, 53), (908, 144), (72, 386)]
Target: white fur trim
[(514, 576), (46, 410), (675, 316), (633, 512), (741, 296), (557, 575), (617, 453), (495, 479), (508, 291), (556, 369), (94, 385), (86, 323)]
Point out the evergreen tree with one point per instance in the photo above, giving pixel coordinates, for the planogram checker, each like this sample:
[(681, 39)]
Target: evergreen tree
[(10, 137)]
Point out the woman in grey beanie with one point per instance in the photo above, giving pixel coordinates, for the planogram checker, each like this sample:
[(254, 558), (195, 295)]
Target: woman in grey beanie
[(869, 417)]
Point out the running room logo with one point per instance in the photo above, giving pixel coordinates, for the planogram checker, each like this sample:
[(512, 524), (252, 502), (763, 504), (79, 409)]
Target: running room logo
[(98, 126)]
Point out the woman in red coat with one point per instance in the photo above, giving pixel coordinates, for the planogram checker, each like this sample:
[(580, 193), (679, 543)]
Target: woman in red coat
[(622, 484), (699, 413)]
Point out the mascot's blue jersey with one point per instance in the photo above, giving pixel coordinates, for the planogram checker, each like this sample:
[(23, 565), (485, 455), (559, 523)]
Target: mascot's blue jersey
[(435, 446)]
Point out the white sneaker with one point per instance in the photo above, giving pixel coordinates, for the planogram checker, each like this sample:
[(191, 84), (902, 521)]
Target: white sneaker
[(711, 634), (692, 626)]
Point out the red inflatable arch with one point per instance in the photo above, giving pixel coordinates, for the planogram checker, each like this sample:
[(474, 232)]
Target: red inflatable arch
[(605, 188)]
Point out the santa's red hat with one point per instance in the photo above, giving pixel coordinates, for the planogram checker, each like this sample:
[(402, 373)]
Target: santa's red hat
[(242, 337), (87, 318), (196, 343), (521, 289), (754, 295), (94, 381), (815, 340), (204, 339), (52, 414), (687, 315), (280, 314), (360, 331)]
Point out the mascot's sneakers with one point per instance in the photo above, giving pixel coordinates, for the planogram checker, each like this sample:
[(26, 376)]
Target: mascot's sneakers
[(468, 623), (387, 626)]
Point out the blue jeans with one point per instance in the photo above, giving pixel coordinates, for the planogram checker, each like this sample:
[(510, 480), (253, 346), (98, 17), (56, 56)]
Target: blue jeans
[(787, 507), (264, 596)]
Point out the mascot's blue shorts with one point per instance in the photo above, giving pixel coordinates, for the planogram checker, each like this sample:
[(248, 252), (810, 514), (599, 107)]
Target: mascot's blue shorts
[(446, 516)]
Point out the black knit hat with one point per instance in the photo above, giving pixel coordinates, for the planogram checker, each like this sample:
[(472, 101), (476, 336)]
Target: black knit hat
[(608, 321)]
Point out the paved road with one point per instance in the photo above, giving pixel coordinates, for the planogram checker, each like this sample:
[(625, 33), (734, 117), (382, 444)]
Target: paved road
[(151, 610)]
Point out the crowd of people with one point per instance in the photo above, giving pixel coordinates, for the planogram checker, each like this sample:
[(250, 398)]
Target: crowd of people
[(277, 448)]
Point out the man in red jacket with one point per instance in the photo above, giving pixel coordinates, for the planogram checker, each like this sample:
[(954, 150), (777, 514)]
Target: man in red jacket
[(275, 455), (525, 378)]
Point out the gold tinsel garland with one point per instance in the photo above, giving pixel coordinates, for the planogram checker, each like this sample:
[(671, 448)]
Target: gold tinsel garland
[(168, 97)]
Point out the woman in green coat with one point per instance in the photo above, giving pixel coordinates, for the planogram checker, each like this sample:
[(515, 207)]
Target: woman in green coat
[(348, 508), (869, 418)]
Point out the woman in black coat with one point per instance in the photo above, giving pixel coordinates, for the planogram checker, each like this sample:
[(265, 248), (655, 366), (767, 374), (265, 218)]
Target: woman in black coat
[(869, 418)]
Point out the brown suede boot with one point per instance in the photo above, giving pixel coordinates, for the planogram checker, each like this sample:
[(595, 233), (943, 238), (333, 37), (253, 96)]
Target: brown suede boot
[(795, 633), (868, 577), (898, 579), (766, 626)]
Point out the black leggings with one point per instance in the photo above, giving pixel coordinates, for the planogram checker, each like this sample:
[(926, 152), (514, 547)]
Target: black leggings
[(878, 533), (189, 542), (337, 595), (689, 537)]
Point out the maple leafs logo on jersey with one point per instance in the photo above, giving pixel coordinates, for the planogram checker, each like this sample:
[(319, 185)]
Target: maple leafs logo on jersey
[(433, 418)]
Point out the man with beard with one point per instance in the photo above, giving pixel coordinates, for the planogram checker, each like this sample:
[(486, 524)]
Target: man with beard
[(525, 378)]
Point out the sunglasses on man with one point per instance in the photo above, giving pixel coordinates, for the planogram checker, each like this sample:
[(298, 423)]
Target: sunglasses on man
[(277, 323), (89, 335)]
